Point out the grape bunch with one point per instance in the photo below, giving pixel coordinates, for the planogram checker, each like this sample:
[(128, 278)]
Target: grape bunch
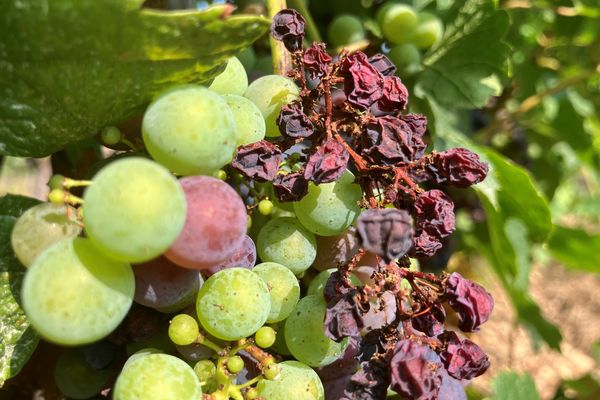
[(262, 247)]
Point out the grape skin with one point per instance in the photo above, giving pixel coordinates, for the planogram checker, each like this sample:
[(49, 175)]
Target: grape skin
[(428, 32), (333, 251), (41, 226), (73, 294), (233, 304), (270, 93), (244, 256), (284, 289), (317, 285), (345, 29), (134, 209), (190, 130), (296, 381), (233, 80), (215, 224), (164, 286), (397, 21), (250, 124), (157, 376), (285, 241), (329, 209), (304, 334)]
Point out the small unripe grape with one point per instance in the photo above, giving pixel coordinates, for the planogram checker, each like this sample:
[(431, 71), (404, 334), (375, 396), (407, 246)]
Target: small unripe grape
[(406, 57), (265, 207), (345, 29), (110, 135), (205, 369), (251, 394), (220, 174), (272, 371), (428, 32), (56, 181), (235, 364), (265, 337), (57, 196), (183, 330), (397, 22)]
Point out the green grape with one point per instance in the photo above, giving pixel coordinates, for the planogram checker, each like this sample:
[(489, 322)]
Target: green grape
[(280, 347), (74, 294), (235, 364), (41, 226), (397, 22), (265, 337), (251, 394), (157, 376), (233, 80), (110, 135), (233, 304), (304, 334), (406, 57), (270, 93), (265, 207), (205, 370), (296, 381), (272, 371), (330, 208), (317, 285), (248, 119), (56, 181), (134, 209), (142, 352), (345, 29), (190, 130), (284, 289), (76, 378), (285, 241), (428, 32), (183, 330)]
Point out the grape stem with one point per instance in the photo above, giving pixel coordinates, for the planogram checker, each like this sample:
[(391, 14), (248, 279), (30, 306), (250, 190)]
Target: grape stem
[(282, 60), (205, 342), (251, 382)]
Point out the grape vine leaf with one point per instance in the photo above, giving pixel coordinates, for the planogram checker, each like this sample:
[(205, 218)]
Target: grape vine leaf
[(463, 70), (511, 386), (70, 67), (17, 339), (575, 248)]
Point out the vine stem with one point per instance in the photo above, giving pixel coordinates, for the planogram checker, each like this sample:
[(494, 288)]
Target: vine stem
[(282, 60)]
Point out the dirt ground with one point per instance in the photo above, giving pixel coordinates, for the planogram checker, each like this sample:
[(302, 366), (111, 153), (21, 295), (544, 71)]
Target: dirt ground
[(569, 299)]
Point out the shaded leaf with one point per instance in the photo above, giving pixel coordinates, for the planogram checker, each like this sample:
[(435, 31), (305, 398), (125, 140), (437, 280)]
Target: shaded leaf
[(17, 338), (575, 248), (459, 70), (510, 386), (68, 68)]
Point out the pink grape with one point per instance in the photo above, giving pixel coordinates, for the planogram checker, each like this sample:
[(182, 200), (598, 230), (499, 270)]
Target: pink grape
[(244, 256), (164, 286), (215, 224)]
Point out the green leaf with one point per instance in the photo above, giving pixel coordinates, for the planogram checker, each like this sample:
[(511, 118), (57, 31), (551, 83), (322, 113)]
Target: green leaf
[(463, 70), (70, 67), (575, 248), (510, 386), (17, 339)]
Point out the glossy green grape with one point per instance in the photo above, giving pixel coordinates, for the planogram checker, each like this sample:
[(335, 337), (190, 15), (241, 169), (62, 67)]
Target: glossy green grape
[(284, 289), (296, 381), (407, 59), (270, 93), (233, 304), (397, 22), (41, 226), (345, 29), (157, 376), (134, 209), (330, 208), (428, 31), (265, 337), (74, 294), (250, 124), (183, 330), (235, 364), (190, 130), (233, 80), (285, 241), (304, 334)]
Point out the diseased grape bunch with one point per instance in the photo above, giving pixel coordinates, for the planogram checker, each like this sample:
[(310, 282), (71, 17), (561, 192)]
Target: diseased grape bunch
[(193, 274)]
